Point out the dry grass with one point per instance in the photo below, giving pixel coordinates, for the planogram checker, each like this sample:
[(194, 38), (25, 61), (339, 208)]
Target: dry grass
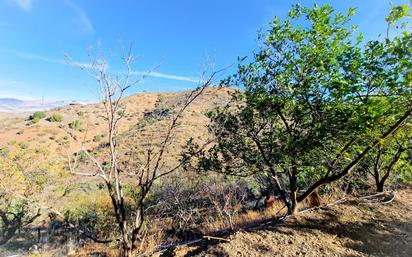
[(93, 249)]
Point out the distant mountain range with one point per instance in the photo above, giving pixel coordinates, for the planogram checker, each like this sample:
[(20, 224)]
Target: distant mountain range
[(17, 105)]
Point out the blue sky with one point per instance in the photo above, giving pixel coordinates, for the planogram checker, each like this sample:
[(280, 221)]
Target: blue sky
[(175, 36)]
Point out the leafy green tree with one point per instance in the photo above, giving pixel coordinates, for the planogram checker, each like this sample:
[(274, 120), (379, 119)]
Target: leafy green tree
[(311, 102), (391, 159)]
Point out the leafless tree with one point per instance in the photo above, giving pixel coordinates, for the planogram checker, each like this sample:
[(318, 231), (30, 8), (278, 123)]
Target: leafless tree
[(226, 198), (144, 173)]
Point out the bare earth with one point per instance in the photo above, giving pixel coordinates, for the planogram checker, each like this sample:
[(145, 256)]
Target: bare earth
[(350, 229)]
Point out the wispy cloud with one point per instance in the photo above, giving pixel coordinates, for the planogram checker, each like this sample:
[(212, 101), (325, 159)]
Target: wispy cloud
[(81, 18), (8, 82), (167, 76), (29, 56), (24, 4)]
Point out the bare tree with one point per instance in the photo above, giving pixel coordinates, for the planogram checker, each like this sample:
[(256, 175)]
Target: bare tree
[(143, 173), (226, 198)]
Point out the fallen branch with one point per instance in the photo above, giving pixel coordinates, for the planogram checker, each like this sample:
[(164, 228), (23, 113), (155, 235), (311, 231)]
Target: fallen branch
[(379, 202), (216, 238), (371, 196)]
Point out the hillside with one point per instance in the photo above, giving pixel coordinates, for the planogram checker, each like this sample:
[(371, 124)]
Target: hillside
[(355, 228), (15, 127), (142, 126)]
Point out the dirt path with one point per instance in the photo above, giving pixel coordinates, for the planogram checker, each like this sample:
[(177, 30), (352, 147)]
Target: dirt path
[(349, 229)]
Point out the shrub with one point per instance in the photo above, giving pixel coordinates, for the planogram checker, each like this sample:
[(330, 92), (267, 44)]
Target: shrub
[(56, 118), (75, 125), (4, 151), (93, 212), (97, 138), (36, 116), (23, 145), (82, 155), (35, 120)]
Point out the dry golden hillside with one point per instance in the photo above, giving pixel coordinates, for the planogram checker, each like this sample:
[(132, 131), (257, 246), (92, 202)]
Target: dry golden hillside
[(54, 135), (142, 126)]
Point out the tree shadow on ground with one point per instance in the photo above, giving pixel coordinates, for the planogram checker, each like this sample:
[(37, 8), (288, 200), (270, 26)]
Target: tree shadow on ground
[(377, 235), (373, 234)]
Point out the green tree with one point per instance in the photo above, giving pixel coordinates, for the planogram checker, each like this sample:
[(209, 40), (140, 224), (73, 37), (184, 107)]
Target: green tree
[(310, 103), (391, 160)]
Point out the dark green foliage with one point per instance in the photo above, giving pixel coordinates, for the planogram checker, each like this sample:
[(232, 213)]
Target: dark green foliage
[(160, 112)]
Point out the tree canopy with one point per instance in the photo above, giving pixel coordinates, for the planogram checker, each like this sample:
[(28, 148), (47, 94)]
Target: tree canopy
[(313, 102)]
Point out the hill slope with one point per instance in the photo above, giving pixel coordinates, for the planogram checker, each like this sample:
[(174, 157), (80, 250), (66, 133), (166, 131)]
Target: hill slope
[(15, 127), (356, 228)]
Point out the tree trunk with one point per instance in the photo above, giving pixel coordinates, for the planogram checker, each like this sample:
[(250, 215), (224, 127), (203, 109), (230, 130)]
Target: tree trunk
[(377, 180), (389, 169), (293, 190), (9, 233), (283, 194), (380, 186), (348, 169)]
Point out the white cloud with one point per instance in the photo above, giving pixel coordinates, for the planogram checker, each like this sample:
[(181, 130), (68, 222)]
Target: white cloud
[(30, 56), (167, 76), (8, 82), (81, 18), (24, 4)]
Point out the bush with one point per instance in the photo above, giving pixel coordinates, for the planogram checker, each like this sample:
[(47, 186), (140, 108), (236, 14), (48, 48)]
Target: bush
[(36, 116), (4, 151), (97, 138), (92, 212), (56, 118), (75, 125), (82, 155), (157, 114)]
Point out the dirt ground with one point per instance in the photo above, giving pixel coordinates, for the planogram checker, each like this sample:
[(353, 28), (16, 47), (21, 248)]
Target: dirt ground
[(355, 228)]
